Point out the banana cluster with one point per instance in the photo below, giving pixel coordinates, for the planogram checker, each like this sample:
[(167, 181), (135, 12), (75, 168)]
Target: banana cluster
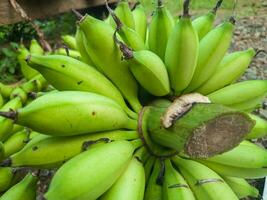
[(78, 110)]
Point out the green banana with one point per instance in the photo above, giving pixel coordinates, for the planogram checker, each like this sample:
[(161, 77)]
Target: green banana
[(148, 69), (70, 41), (149, 166), (260, 128), (90, 174), (204, 23), (160, 29), (26, 189), (124, 13), (240, 172), (249, 105), (212, 49), (71, 53), (99, 41), (240, 92), (174, 185), (16, 128), (182, 53), (81, 48), (26, 70), (16, 142), (241, 187), (35, 48), (129, 36), (6, 125), (37, 151), (76, 112), (142, 154), (1, 100), (154, 185), (204, 182), (2, 151), (229, 70), (247, 155), (35, 84), (6, 90), (130, 185), (66, 73), (6, 176), (140, 20)]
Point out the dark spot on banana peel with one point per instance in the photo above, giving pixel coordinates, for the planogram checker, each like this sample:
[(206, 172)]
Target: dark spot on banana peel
[(63, 66), (93, 113), (34, 148), (211, 180), (6, 163), (79, 82), (178, 185), (87, 144)]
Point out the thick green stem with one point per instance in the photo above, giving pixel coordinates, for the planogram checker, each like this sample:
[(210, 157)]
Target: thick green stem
[(203, 130)]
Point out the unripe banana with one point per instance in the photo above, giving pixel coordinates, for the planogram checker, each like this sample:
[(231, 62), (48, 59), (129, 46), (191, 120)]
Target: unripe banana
[(149, 70), (142, 154), (148, 167), (212, 49), (247, 154), (81, 48), (159, 30), (16, 128), (174, 185), (182, 53), (240, 92), (5, 90), (260, 128), (129, 36), (154, 185), (2, 151), (88, 175), (16, 142), (6, 125), (240, 172), (6, 176), (249, 105), (205, 183), (140, 20), (26, 189), (99, 41), (35, 48), (70, 41), (241, 187), (204, 23), (71, 53), (38, 150), (66, 73), (1, 100), (35, 84), (130, 185), (229, 70), (124, 13), (26, 70), (76, 112)]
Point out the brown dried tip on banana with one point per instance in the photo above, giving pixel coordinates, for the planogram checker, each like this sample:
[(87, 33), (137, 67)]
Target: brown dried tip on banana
[(180, 106)]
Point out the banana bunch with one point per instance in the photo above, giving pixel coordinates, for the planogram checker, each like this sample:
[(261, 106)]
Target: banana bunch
[(81, 111)]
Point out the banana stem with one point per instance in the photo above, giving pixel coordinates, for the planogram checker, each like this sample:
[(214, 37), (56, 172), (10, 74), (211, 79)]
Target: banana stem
[(137, 143), (197, 130), (217, 6), (118, 22), (132, 124), (186, 8), (12, 114)]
